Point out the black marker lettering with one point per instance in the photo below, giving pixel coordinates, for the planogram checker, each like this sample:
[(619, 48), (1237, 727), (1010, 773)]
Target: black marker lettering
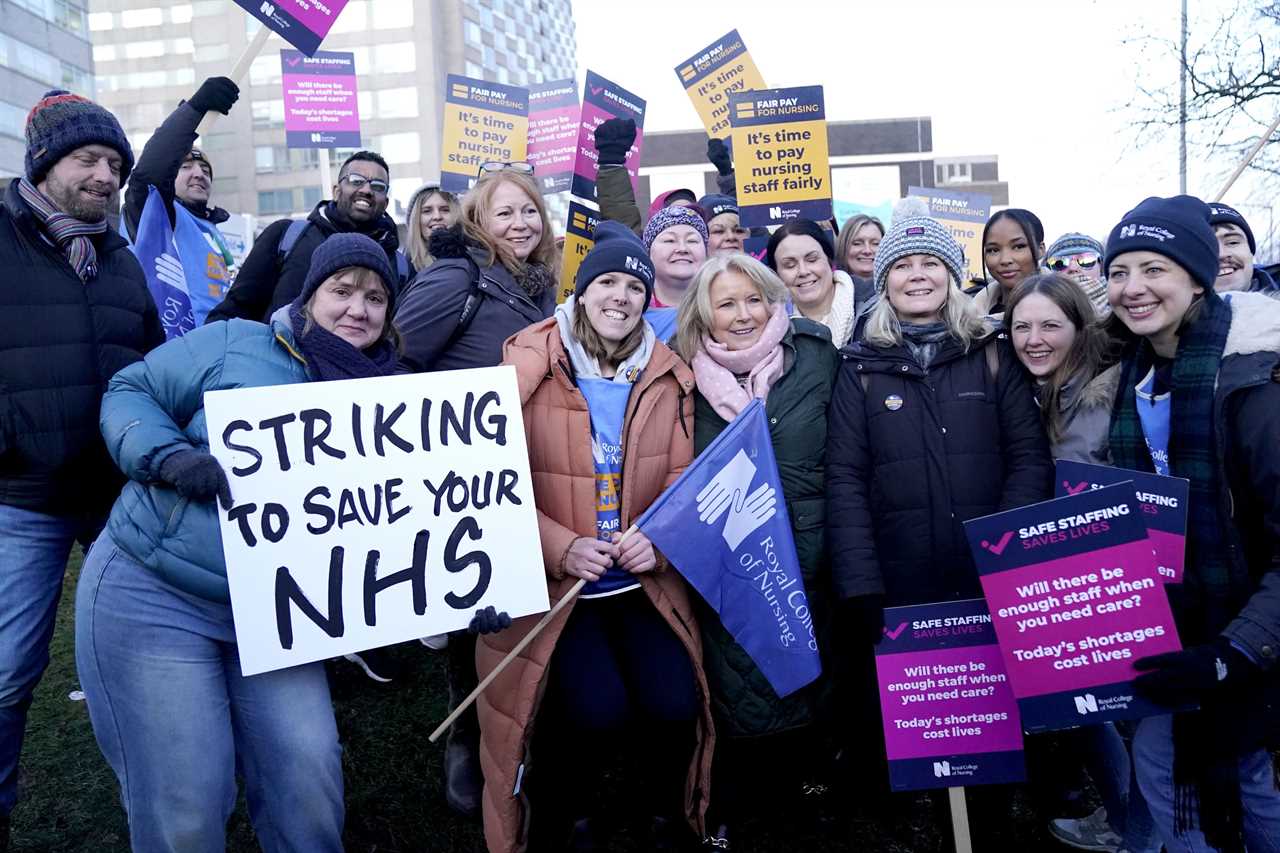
[(276, 425), (240, 514), (453, 563), (496, 427), (415, 575), (234, 427), (383, 428), (312, 507), (311, 440), (287, 590)]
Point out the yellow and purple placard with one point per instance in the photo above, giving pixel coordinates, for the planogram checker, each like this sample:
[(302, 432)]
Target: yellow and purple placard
[(579, 237), (780, 155), (483, 123), (302, 23), (949, 714), (1163, 501), (1075, 599), (715, 72), (321, 109), (553, 133), (964, 215), (602, 100)]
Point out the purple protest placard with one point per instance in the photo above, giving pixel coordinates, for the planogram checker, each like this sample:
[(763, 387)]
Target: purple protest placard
[(302, 23), (601, 101), (553, 133), (1075, 599), (1163, 501), (948, 710), (320, 105)]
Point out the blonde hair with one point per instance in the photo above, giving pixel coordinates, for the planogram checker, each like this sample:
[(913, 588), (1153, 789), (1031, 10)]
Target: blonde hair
[(851, 228), (475, 210), (961, 317), (694, 316), (417, 242), (365, 279)]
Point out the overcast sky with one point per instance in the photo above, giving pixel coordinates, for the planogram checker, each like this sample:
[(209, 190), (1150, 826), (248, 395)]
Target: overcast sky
[(1042, 85)]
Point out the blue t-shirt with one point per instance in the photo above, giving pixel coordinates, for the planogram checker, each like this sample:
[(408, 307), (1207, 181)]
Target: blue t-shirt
[(663, 321), (1154, 411), (607, 405)]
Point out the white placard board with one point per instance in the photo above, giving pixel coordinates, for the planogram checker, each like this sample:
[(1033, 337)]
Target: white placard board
[(373, 511)]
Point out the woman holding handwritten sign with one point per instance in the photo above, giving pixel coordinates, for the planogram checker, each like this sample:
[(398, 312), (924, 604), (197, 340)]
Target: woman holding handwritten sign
[(1199, 397), (608, 411), (155, 641)]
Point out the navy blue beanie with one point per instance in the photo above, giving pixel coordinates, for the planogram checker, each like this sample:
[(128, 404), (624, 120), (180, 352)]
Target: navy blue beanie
[(340, 251), (617, 249), (1225, 214), (1177, 228), (716, 204), (61, 122)]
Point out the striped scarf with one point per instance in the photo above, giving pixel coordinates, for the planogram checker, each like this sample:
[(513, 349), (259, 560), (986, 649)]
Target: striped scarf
[(73, 236), (1205, 771)]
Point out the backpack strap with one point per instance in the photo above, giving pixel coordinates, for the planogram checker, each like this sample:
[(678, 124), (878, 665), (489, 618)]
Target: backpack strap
[(289, 239), (469, 306), (402, 267)]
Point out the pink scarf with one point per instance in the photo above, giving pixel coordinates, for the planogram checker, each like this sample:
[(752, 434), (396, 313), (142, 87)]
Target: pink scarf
[(716, 368)]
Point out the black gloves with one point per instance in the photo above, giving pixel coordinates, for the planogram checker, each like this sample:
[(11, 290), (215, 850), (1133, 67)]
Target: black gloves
[(718, 154), (614, 139), (488, 621), (1185, 677), (217, 93), (195, 474), (863, 617)]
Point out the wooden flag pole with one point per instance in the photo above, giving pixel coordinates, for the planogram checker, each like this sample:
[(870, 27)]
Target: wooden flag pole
[(960, 820), (241, 68), (519, 647), (1262, 140)]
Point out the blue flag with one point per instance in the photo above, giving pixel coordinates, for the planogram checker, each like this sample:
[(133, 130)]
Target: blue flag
[(158, 255), (725, 526)]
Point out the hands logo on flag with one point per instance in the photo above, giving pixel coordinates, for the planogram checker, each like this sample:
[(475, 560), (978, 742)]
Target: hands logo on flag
[(727, 492), (169, 270)]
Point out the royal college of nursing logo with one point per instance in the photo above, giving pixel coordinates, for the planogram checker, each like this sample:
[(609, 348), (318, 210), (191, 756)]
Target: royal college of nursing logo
[(729, 491)]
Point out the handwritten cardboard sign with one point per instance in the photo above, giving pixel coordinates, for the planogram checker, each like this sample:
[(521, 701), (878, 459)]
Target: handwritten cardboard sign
[(373, 511)]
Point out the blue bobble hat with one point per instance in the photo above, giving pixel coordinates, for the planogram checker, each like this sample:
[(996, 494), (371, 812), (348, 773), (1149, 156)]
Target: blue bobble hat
[(61, 122)]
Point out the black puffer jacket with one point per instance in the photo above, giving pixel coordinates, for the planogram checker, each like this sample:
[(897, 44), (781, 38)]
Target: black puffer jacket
[(60, 342), (429, 309), (917, 453), (264, 285)]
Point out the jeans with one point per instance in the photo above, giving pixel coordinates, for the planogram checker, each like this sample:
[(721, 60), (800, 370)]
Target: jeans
[(34, 548), (1153, 760), (1106, 756), (175, 719)]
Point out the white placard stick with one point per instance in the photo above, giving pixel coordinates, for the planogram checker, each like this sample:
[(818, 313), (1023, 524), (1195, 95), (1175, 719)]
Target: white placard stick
[(241, 68)]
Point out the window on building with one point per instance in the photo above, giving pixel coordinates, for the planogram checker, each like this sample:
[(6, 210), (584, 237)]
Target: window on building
[(400, 147), (180, 14), (470, 31), (393, 15), (104, 52), (99, 21), (143, 49), (474, 70), (355, 17), (311, 197), (184, 46), (152, 16), (265, 70), (275, 201), (396, 103), (268, 113), (12, 120), (209, 8), (264, 159), (394, 58)]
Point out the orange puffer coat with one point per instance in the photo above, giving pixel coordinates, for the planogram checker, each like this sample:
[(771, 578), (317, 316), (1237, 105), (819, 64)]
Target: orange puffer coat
[(657, 440)]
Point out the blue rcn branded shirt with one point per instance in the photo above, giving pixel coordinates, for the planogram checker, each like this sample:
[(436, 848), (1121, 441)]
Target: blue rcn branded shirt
[(663, 321), (607, 405), (1154, 411)]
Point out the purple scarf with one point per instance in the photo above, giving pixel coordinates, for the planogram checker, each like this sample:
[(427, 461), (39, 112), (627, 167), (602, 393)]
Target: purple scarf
[(330, 357)]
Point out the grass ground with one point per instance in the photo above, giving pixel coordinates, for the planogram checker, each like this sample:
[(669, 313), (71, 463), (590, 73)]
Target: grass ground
[(69, 801)]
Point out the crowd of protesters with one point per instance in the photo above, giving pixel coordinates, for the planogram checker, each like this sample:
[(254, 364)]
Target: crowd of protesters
[(902, 399)]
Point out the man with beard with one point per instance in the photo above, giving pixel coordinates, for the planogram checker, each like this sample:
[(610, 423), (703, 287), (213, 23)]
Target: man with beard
[(74, 309), (273, 273), (183, 178)]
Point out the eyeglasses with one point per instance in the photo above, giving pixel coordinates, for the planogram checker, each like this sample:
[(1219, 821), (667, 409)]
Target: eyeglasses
[(356, 181), (1085, 260), (501, 166)]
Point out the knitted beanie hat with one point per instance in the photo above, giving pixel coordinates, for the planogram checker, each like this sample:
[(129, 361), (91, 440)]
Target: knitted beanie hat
[(348, 249), (198, 156), (674, 215), (1177, 228), (61, 122), (914, 232), (1225, 214), (617, 249), (716, 204), (1073, 243), (668, 198)]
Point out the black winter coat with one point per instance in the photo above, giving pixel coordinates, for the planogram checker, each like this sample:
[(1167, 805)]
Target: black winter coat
[(60, 342), (744, 703), (428, 310), (263, 285), (158, 167), (917, 453)]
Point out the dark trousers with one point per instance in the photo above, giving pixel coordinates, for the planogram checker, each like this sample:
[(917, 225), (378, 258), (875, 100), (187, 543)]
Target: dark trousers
[(620, 681)]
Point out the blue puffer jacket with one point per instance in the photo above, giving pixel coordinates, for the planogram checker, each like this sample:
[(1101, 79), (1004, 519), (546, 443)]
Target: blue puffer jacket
[(155, 408)]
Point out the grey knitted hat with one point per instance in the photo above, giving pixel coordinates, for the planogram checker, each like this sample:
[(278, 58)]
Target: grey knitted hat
[(1073, 243), (914, 232)]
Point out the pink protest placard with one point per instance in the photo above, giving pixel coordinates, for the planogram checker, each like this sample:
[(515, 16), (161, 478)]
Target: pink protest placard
[(1075, 599), (553, 134), (302, 23), (948, 710), (320, 105), (601, 101)]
